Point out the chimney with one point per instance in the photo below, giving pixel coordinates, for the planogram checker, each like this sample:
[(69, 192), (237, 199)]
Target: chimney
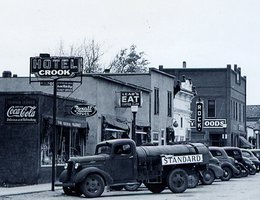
[(7, 74), (184, 64), (235, 67), (160, 67)]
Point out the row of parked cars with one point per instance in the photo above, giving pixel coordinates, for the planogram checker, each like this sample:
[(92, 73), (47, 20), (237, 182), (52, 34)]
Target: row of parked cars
[(234, 162)]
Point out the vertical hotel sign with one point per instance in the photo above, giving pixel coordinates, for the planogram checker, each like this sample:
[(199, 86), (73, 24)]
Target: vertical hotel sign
[(199, 115), (21, 110)]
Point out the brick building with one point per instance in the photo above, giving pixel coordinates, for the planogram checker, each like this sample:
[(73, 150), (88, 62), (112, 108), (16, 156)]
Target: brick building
[(222, 91)]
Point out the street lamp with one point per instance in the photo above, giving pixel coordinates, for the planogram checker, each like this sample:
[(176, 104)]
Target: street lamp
[(224, 135), (134, 110)]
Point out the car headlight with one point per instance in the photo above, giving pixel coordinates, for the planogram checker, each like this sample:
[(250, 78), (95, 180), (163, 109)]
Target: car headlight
[(76, 165)]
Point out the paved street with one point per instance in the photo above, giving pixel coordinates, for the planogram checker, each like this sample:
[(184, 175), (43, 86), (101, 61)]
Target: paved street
[(235, 189)]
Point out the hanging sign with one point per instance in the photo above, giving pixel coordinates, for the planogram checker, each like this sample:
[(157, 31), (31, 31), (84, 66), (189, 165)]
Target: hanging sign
[(128, 99), (56, 66), (85, 110), (199, 116)]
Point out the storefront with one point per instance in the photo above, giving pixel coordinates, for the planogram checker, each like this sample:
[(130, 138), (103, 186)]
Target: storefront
[(26, 136)]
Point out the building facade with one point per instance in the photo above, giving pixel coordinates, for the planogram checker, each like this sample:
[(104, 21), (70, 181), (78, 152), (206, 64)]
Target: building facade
[(221, 93), (182, 109), (26, 137)]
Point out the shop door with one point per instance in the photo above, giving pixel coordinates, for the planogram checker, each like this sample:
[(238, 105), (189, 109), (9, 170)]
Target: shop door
[(215, 140)]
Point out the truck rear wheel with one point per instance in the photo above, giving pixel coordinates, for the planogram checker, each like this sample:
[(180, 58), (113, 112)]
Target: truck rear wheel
[(155, 187), (92, 186), (208, 177), (178, 180)]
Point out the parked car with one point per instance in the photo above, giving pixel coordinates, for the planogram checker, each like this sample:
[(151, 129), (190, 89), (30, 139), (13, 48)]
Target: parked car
[(227, 163), (236, 153), (250, 155), (256, 152), (246, 166)]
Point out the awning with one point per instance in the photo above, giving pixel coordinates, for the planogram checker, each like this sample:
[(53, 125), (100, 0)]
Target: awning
[(116, 122), (244, 143), (68, 122)]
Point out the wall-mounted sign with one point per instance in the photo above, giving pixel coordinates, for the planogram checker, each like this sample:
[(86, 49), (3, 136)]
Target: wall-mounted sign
[(21, 110), (85, 110), (56, 66), (210, 123), (128, 99), (199, 116)]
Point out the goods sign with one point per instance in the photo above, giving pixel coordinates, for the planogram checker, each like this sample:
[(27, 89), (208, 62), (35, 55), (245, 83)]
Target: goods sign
[(183, 159), (128, 99), (210, 123), (199, 116), (56, 66), (85, 110), (23, 110)]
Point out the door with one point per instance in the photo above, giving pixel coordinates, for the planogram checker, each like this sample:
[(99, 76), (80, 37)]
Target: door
[(216, 140), (123, 163)]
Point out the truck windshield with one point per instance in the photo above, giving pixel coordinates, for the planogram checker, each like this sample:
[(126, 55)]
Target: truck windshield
[(104, 149)]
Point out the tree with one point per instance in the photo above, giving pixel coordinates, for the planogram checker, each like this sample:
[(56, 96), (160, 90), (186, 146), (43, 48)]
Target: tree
[(129, 61), (91, 53)]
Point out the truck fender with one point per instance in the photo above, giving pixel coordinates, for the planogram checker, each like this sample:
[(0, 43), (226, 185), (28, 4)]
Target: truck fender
[(63, 176), (217, 170), (80, 176)]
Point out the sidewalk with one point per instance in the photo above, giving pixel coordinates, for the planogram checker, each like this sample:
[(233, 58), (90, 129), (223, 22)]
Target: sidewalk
[(5, 191)]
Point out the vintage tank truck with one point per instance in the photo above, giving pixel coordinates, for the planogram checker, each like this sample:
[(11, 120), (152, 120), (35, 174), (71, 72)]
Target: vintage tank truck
[(119, 162)]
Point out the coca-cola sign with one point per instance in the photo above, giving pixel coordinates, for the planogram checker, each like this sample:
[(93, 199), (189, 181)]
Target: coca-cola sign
[(85, 110), (19, 110)]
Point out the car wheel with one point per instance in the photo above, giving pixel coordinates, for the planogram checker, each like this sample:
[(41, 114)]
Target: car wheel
[(208, 177), (227, 175), (92, 186), (133, 187), (178, 180)]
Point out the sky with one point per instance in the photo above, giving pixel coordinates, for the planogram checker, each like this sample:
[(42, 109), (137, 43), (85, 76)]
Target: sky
[(204, 33)]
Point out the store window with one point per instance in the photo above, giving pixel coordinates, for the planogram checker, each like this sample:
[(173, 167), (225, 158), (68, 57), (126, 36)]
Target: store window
[(70, 142)]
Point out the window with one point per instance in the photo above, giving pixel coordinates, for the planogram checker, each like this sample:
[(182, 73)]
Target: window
[(169, 95), (211, 108), (181, 122), (156, 101), (70, 142)]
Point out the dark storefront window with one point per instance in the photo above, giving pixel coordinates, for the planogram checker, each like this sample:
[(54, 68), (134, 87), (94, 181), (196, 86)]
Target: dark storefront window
[(156, 101), (70, 142), (211, 108)]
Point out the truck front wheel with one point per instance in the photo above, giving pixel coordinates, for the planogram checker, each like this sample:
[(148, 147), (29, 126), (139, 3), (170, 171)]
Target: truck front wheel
[(178, 180), (155, 187), (92, 186)]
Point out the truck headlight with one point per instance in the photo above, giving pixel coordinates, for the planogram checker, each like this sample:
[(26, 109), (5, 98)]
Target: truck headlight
[(76, 165), (66, 166)]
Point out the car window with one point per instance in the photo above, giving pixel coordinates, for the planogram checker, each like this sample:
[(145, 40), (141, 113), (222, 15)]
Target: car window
[(246, 154), (104, 150), (215, 153), (122, 149)]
